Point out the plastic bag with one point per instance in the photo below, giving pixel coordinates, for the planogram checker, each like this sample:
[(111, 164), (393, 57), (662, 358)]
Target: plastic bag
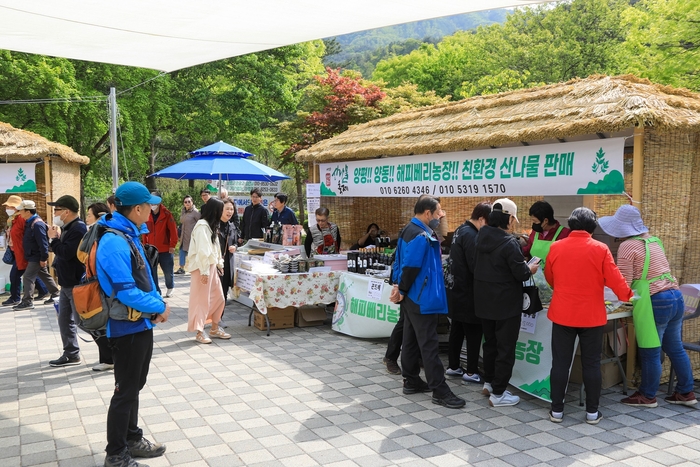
[(543, 287)]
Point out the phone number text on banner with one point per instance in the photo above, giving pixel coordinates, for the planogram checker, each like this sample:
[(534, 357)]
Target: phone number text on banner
[(586, 167)]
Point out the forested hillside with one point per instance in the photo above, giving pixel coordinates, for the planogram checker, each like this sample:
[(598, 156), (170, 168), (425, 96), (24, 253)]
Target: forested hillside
[(361, 51)]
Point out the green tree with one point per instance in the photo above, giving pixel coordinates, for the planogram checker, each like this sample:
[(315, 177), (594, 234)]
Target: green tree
[(663, 42)]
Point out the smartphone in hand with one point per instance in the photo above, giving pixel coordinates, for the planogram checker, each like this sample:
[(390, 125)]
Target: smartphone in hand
[(534, 260)]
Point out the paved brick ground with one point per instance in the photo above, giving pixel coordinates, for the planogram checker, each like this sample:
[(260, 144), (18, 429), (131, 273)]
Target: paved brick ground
[(301, 397)]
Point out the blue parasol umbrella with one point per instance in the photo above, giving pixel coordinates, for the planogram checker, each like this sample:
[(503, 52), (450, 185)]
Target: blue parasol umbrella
[(222, 161)]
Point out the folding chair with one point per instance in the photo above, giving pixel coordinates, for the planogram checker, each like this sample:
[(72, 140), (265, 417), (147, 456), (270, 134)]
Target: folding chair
[(691, 297)]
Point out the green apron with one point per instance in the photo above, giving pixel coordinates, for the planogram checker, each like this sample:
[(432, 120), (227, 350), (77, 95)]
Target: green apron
[(643, 313), (540, 248)]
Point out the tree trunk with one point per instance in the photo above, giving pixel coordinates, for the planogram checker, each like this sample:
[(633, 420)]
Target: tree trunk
[(151, 181), (298, 178)]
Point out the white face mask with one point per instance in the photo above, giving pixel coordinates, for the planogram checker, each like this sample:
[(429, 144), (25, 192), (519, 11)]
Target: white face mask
[(57, 221), (10, 212), (154, 207)]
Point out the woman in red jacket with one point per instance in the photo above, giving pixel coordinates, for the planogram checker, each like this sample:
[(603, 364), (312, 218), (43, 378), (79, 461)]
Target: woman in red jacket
[(578, 268)]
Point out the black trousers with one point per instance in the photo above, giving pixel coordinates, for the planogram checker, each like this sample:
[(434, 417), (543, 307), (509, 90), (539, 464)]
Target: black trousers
[(420, 340), (132, 357), (500, 337), (395, 340), (563, 340), (458, 331), (104, 349)]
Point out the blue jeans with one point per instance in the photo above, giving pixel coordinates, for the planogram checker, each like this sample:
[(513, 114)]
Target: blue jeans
[(668, 314), (183, 258), (167, 264)]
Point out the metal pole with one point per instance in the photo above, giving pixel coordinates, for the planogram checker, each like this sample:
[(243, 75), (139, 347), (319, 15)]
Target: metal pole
[(113, 137)]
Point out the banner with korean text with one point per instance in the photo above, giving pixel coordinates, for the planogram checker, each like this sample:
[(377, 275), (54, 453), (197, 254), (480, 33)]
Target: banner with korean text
[(362, 307), (18, 178), (579, 168)]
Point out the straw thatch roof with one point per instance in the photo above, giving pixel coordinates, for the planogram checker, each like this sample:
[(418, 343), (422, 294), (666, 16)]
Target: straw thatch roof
[(598, 104), (19, 145)]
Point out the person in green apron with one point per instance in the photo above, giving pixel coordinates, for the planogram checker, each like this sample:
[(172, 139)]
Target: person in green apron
[(658, 313), (545, 230)]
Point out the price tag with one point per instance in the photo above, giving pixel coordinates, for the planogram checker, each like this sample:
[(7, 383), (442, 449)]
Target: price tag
[(374, 289), (245, 280), (528, 323)]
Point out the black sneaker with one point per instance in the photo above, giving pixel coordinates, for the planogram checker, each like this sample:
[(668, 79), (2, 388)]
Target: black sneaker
[(179, 271), (51, 299), (411, 389), (42, 296), (11, 302), (450, 401), (123, 459), (144, 448), (65, 361), (23, 306)]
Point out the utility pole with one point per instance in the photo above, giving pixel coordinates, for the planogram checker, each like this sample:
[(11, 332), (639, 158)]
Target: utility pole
[(112, 104)]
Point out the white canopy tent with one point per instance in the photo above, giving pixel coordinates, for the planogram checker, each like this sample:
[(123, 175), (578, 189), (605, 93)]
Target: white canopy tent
[(168, 35)]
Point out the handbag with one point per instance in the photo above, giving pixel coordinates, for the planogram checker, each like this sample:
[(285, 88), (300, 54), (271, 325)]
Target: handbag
[(8, 257), (151, 253), (531, 298)]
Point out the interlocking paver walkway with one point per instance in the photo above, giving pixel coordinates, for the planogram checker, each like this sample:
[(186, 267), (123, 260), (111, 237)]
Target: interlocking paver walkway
[(300, 397)]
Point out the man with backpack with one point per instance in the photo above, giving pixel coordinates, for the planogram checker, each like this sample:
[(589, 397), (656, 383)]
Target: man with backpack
[(65, 236), (135, 307), (36, 252)]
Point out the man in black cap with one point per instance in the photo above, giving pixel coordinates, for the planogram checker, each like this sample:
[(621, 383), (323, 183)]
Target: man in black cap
[(64, 237)]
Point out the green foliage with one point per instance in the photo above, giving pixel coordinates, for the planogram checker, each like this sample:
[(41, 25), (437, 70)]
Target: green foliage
[(663, 42), (537, 45)]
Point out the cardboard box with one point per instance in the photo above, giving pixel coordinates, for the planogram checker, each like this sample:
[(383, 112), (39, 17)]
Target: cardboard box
[(310, 315), (280, 318), (609, 371)]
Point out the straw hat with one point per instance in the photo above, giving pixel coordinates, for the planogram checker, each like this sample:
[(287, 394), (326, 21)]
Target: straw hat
[(626, 222), (13, 201)]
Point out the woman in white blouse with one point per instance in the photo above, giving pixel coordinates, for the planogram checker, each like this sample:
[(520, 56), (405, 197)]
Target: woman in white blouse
[(206, 265)]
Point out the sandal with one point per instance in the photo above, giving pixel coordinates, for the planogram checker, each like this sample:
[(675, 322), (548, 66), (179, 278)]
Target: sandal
[(202, 338), (219, 334)]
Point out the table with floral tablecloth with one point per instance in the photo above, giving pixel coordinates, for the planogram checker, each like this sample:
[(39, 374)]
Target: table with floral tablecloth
[(283, 290)]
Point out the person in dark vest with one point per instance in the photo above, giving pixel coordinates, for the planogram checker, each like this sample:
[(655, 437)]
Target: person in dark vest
[(324, 237), (128, 277)]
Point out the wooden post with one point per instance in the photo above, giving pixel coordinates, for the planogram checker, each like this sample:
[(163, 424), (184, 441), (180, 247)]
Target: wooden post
[(637, 186)]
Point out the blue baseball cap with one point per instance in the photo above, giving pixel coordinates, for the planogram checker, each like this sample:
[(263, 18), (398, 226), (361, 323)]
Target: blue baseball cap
[(134, 193)]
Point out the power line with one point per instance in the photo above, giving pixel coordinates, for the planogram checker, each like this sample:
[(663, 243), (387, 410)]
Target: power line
[(57, 100)]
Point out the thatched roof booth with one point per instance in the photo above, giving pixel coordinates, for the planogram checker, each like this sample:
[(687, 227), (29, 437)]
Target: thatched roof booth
[(661, 154), (57, 167)]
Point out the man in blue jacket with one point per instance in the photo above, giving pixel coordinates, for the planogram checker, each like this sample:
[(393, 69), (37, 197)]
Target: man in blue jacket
[(419, 288), (129, 278), (36, 252)]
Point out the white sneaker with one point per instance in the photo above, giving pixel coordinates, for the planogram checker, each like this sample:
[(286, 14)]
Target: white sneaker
[(475, 378), (504, 400), (451, 372), (487, 389), (168, 293), (103, 367)]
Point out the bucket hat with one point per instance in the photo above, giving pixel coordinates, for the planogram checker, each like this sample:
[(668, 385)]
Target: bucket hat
[(626, 222), (13, 201)]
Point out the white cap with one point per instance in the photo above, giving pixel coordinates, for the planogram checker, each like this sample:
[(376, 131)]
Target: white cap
[(509, 207)]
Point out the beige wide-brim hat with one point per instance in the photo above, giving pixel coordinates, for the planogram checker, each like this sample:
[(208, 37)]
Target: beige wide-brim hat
[(13, 201)]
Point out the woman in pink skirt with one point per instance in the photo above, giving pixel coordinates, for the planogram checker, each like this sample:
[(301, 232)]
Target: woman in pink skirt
[(206, 265)]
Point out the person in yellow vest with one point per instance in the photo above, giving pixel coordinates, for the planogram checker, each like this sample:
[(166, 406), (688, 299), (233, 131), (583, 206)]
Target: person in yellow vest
[(545, 230)]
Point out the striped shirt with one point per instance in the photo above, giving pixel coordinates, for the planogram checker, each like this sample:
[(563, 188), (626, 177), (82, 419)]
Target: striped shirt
[(630, 260)]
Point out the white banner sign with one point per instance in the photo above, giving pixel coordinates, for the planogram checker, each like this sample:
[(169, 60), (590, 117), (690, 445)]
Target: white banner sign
[(18, 178), (361, 313), (586, 167), (239, 190)]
